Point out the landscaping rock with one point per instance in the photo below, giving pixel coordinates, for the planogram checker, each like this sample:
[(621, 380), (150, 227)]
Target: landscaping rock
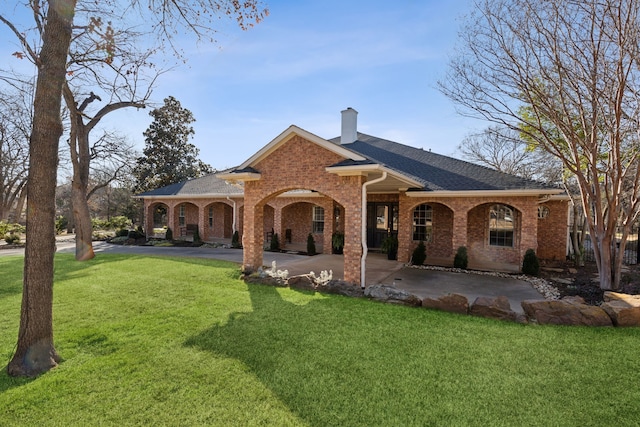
[(568, 311), (624, 309), (454, 303), (391, 294), (341, 288), (304, 282), (494, 308)]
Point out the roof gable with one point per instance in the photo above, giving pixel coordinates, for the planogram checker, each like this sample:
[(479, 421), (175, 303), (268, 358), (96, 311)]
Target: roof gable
[(288, 134)]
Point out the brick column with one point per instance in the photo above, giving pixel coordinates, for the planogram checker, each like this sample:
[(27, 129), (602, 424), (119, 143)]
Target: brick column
[(148, 218), (327, 234), (405, 224), (352, 228), (459, 229), (529, 228), (171, 219), (252, 237), (277, 223)]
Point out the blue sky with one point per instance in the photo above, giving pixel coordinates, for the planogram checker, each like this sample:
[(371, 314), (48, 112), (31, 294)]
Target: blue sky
[(308, 61)]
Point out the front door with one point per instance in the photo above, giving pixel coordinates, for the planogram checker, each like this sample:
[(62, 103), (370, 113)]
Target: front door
[(382, 219)]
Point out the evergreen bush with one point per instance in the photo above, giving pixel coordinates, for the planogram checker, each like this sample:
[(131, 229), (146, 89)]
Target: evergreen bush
[(235, 240), (311, 245), (530, 263), (275, 243), (419, 255), (169, 235), (196, 236), (461, 260)]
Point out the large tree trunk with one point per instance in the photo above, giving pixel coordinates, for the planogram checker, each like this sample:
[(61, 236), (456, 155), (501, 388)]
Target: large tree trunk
[(35, 352), (82, 219)]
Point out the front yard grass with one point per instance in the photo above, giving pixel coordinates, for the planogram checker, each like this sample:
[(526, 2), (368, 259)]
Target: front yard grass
[(179, 341)]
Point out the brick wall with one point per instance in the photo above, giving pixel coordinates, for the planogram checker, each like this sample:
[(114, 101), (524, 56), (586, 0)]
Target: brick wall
[(552, 232)]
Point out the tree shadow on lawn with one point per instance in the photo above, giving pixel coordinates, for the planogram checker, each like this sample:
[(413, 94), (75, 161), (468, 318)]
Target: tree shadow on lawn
[(274, 342), (319, 355)]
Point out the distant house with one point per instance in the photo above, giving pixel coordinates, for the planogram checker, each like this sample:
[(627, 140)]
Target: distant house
[(368, 188)]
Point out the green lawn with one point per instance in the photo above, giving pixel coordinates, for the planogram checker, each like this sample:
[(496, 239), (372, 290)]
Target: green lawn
[(170, 341)]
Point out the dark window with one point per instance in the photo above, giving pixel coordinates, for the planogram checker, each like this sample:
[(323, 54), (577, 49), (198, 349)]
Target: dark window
[(423, 223), (501, 226)]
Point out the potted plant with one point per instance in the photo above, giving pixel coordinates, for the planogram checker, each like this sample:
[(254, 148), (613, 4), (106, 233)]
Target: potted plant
[(337, 242), (390, 246)]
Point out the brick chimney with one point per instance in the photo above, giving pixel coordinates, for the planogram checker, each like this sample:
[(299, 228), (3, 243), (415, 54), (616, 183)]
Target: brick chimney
[(349, 126)]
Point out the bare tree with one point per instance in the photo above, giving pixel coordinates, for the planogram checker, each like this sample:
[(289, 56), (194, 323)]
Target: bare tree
[(54, 20), (15, 125), (566, 74), (501, 148)]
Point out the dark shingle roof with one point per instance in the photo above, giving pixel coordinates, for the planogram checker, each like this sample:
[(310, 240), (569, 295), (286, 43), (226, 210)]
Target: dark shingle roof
[(435, 171), (208, 184)]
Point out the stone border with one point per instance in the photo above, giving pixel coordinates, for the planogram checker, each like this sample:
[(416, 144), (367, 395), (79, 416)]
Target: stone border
[(617, 310)]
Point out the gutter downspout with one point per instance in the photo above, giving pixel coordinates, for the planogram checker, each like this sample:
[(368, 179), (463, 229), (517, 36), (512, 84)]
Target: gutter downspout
[(233, 224), (363, 236)]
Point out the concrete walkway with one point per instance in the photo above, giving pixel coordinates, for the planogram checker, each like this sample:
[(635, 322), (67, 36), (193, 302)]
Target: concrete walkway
[(379, 270)]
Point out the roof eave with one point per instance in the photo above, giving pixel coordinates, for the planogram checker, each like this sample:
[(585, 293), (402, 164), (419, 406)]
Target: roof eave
[(195, 196), (486, 193), (368, 169)]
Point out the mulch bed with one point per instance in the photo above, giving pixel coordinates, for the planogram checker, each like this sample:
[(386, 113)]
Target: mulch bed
[(585, 281)]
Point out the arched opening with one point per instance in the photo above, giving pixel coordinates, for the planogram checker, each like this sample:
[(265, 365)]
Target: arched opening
[(157, 220), (493, 233), (218, 224), (185, 220), (432, 223)]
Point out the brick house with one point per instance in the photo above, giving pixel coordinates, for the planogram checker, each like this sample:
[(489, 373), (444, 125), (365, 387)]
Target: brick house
[(367, 188)]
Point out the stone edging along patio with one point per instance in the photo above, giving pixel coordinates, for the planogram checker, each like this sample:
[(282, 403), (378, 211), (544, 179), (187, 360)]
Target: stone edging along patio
[(617, 310)]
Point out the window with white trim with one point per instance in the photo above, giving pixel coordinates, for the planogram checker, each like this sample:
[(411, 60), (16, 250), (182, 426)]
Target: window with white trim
[(543, 212), (210, 216), (181, 215), (318, 219), (501, 226), (423, 223)]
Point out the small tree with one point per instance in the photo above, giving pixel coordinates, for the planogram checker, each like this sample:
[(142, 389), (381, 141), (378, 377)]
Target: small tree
[(275, 243), (169, 234), (196, 236), (461, 260), (235, 240), (419, 255), (311, 245), (530, 263)]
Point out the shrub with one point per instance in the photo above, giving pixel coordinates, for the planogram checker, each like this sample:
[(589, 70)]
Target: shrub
[(135, 234), (12, 239), (61, 223), (337, 242), (196, 235), (461, 260), (530, 263), (9, 228), (275, 243), (311, 245), (235, 240), (123, 232), (169, 235), (419, 255), (118, 222)]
